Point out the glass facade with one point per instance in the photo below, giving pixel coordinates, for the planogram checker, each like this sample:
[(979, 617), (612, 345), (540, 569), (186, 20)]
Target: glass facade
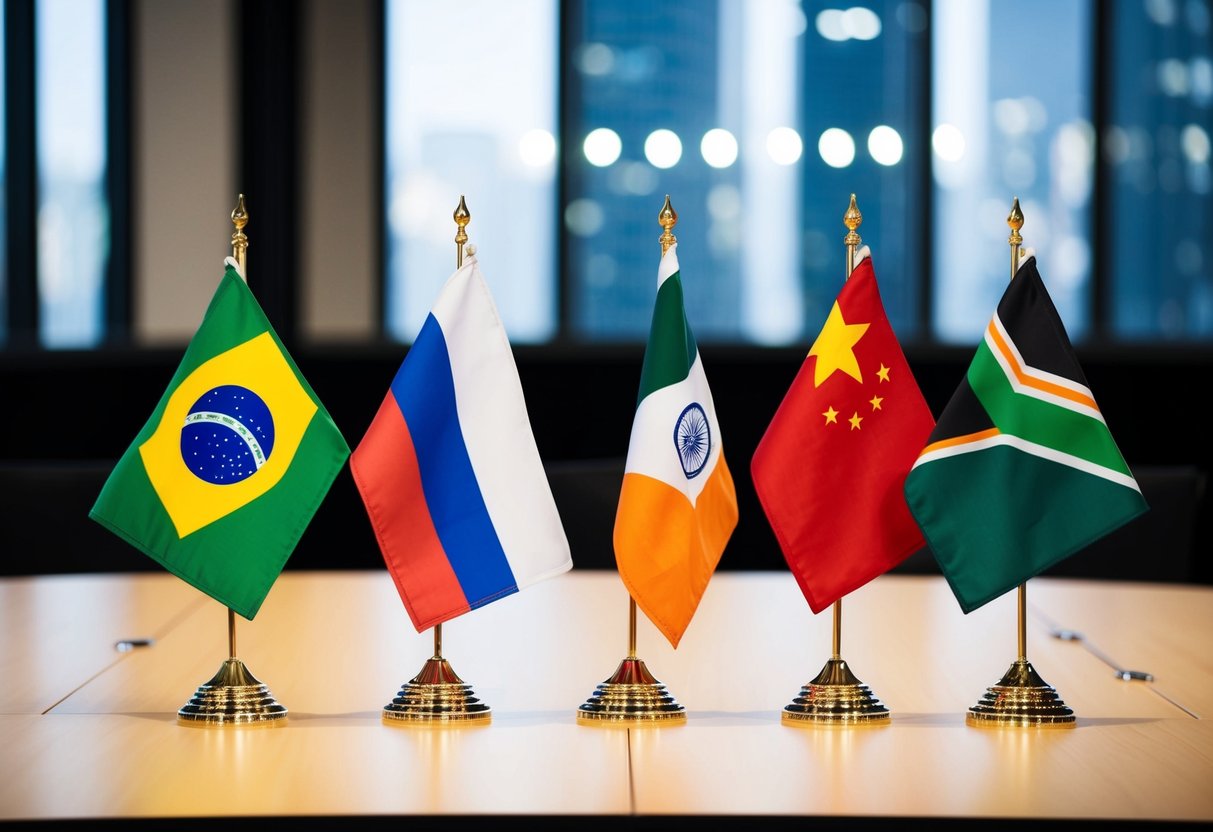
[(471, 112), (73, 213), (1011, 117), (758, 118), (1156, 147)]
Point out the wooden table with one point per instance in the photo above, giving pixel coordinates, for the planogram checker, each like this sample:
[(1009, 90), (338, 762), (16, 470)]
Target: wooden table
[(88, 732)]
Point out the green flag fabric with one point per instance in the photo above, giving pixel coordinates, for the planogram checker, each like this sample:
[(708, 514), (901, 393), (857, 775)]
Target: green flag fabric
[(228, 471), (1021, 470)]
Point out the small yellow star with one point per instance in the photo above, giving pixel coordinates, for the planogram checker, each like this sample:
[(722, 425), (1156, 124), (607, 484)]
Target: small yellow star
[(883, 372), (831, 416), (855, 420), (875, 402)]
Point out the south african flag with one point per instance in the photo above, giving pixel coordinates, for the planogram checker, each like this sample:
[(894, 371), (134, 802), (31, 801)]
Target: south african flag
[(1021, 470)]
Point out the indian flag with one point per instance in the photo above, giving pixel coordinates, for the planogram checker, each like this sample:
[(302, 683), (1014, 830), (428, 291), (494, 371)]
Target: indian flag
[(677, 507)]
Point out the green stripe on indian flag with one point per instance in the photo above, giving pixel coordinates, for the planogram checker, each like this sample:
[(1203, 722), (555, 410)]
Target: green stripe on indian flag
[(1031, 381), (653, 451), (990, 439)]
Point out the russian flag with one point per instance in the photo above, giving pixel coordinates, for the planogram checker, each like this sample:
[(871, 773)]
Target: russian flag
[(449, 471)]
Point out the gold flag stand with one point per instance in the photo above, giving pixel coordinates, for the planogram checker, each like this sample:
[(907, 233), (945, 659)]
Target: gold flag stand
[(1020, 699), (836, 696), (233, 695), (436, 695), (632, 696)]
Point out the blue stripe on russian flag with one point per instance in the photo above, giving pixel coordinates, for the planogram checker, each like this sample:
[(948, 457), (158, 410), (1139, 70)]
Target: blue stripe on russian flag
[(425, 392)]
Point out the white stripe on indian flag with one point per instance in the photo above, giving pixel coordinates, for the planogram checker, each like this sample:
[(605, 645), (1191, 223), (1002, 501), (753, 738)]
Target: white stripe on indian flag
[(992, 438), (1036, 383), (652, 451)]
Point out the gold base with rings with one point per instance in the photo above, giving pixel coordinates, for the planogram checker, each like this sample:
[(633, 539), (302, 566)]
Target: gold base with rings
[(232, 697), (1021, 699), (436, 695), (631, 696), (835, 697)]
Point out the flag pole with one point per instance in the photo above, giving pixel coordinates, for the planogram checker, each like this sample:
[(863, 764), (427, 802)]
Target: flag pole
[(437, 694), (1021, 698), (632, 695), (233, 695), (836, 696)]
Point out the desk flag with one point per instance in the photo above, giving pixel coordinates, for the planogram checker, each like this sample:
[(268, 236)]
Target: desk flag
[(449, 471), (677, 508), (1021, 471), (830, 467), (227, 473)]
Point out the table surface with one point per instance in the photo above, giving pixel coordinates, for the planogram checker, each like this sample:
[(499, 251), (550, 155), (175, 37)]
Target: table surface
[(335, 647)]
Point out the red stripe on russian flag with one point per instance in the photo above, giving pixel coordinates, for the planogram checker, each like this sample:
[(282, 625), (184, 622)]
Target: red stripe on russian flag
[(385, 469)]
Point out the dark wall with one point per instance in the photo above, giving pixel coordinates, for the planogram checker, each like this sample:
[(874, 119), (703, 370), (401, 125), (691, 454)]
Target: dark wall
[(84, 408)]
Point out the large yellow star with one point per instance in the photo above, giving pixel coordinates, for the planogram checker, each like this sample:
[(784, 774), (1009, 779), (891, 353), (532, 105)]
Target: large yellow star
[(833, 347)]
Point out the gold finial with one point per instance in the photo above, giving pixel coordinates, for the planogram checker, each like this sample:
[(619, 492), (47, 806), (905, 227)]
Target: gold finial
[(667, 218), (1015, 221), (852, 220), (462, 218), (239, 238)]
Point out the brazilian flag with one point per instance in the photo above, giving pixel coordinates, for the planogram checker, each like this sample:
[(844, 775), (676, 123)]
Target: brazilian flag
[(1021, 470), (223, 479)]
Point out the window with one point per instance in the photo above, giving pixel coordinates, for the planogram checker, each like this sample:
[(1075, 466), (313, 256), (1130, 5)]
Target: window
[(55, 173), (1156, 145), (73, 220), (471, 111), (760, 117), (1011, 118)]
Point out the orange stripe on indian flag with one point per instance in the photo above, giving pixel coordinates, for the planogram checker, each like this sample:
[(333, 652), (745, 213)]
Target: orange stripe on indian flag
[(678, 544), (1045, 385)]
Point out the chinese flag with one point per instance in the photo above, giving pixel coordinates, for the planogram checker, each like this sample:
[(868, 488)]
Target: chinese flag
[(830, 469)]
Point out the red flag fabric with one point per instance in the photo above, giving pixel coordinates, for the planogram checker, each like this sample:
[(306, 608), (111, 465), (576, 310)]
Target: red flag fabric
[(830, 469)]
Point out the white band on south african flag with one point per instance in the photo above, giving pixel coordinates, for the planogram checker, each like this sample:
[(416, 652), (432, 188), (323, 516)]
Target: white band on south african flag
[(1042, 451)]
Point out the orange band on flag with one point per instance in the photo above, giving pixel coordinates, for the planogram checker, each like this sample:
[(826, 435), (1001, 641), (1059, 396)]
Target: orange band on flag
[(953, 441), (667, 549), (1036, 383)]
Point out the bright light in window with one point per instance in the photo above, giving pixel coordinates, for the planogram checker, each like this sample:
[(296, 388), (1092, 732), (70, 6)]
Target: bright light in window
[(602, 147), (861, 23), (596, 59), (830, 26), (719, 148), (1195, 143), (836, 147), (784, 146), (537, 148), (884, 144), (948, 143), (663, 149), (856, 22), (584, 217), (1173, 77)]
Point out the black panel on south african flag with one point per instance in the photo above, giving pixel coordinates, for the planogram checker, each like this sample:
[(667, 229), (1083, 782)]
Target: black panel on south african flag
[(1031, 319)]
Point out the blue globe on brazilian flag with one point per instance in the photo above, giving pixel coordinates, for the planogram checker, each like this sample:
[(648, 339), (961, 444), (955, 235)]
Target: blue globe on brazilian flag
[(227, 473)]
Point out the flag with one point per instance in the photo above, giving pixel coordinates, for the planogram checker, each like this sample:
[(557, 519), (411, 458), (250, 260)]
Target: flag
[(677, 507), (227, 473), (448, 470), (830, 467), (1021, 471)]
